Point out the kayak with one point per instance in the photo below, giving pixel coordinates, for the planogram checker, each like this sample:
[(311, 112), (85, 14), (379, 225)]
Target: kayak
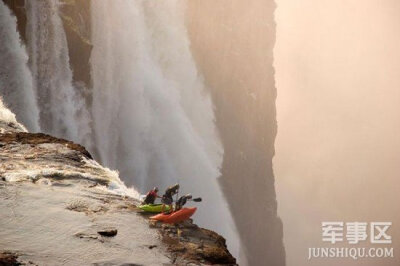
[(155, 208), (175, 217)]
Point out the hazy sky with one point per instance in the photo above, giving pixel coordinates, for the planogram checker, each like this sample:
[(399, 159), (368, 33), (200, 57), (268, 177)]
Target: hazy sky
[(338, 146)]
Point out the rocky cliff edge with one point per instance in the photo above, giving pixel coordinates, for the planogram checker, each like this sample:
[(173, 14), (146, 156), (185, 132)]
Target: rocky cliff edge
[(60, 207)]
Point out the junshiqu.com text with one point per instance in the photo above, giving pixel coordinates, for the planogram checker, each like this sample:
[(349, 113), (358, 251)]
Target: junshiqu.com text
[(353, 253)]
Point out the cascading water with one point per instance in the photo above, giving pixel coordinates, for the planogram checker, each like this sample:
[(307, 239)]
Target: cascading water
[(16, 85), (62, 107), (153, 119)]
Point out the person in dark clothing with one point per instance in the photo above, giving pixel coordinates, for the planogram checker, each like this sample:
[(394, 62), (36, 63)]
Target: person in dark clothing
[(167, 197), (151, 196), (182, 201)]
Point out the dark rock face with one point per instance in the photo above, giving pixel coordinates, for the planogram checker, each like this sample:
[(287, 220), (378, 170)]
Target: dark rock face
[(18, 8), (188, 243), (77, 20), (234, 51), (108, 232), (8, 259)]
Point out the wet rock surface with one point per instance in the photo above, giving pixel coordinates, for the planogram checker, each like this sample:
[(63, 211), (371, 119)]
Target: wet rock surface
[(59, 207), (189, 243), (40, 138)]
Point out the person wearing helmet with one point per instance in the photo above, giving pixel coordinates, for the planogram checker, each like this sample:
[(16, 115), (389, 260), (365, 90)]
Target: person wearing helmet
[(151, 196), (182, 201), (167, 197)]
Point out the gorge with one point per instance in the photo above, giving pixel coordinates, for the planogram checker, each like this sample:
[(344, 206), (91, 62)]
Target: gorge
[(157, 92)]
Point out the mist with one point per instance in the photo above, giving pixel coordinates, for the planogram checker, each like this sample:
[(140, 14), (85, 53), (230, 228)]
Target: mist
[(338, 111), (232, 42)]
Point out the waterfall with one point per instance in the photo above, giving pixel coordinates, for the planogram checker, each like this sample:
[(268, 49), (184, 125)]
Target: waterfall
[(63, 111), (152, 115), (16, 85)]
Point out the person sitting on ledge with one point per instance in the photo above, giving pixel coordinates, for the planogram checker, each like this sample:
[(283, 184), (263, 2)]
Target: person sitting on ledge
[(182, 201), (151, 196), (167, 197)]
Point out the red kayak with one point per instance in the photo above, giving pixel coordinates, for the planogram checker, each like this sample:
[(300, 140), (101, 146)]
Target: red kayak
[(175, 217)]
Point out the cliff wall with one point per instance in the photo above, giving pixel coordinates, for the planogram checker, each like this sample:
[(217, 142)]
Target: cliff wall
[(233, 42)]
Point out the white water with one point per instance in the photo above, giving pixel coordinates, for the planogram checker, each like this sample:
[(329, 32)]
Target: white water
[(16, 85), (6, 116), (62, 107), (153, 118)]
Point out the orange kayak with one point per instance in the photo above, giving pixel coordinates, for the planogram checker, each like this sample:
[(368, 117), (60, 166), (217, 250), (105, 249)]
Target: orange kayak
[(175, 217)]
